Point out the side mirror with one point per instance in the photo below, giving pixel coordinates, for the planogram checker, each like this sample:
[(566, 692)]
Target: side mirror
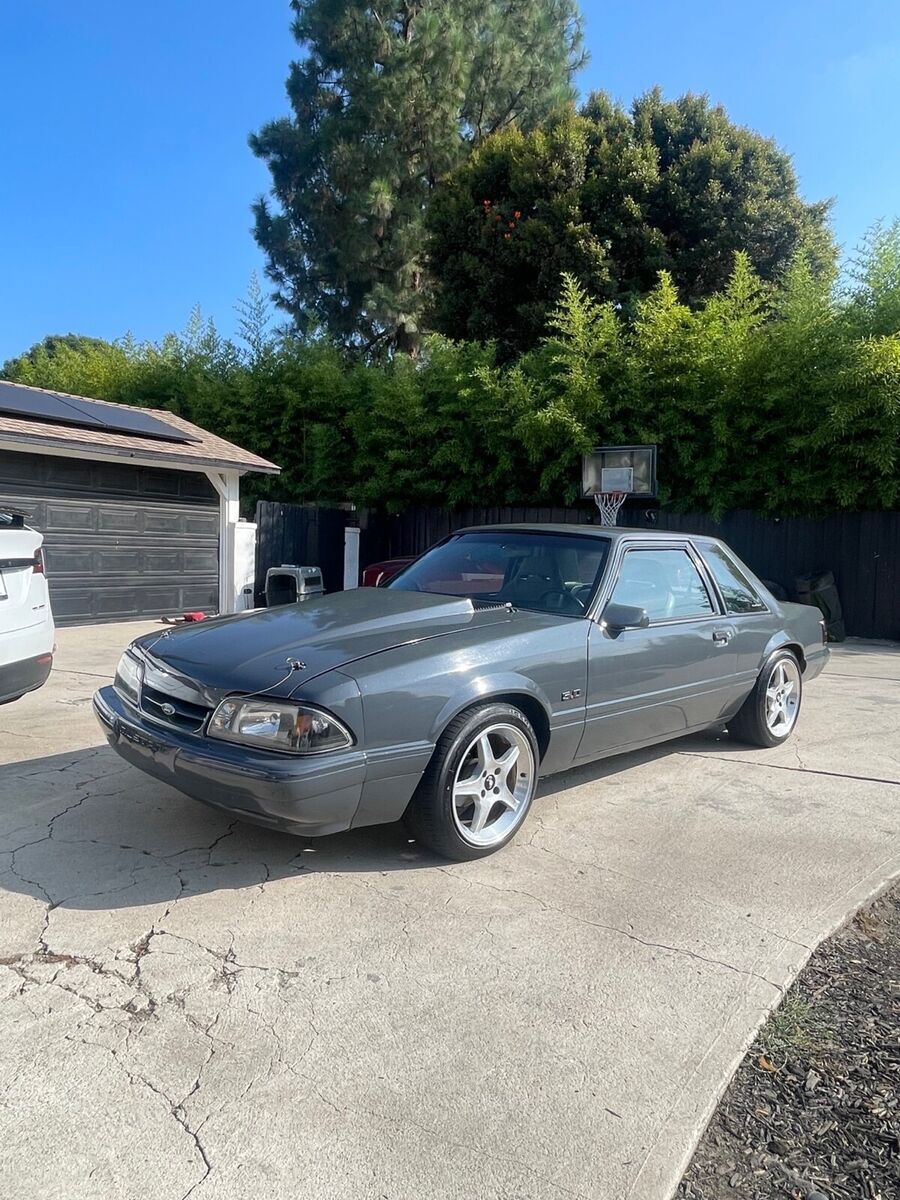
[(624, 616)]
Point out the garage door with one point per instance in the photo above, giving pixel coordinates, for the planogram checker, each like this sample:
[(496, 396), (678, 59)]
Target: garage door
[(120, 541)]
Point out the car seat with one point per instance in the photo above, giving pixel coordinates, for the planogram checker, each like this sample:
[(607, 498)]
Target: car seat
[(643, 584)]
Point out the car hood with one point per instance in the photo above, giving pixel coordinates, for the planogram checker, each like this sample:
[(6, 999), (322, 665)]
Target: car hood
[(252, 651)]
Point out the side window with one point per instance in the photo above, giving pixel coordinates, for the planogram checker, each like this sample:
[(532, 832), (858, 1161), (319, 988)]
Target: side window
[(664, 582), (738, 593)]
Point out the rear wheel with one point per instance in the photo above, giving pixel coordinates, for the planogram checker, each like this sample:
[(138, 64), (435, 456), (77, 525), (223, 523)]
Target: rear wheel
[(479, 785), (769, 714)]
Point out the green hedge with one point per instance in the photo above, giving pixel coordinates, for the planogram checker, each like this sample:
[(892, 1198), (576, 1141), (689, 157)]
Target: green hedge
[(775, 399)]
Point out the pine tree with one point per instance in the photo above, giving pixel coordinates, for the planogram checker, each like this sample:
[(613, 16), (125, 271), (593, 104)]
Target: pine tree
[(387, 100)]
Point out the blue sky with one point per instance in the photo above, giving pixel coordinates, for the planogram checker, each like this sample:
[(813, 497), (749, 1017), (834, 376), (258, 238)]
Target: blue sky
[(126, 179)]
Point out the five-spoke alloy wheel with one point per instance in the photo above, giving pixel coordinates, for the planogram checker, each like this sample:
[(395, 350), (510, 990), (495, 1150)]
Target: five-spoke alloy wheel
[(783, 697), (769, 714), (479, 785), (494, 781)]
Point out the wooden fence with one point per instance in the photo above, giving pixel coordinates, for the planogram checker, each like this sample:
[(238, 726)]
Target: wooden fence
[(861, 549), (302, 534)]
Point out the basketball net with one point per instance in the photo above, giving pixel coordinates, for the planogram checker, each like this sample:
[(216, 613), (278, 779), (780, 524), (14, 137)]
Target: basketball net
[(609, 504)]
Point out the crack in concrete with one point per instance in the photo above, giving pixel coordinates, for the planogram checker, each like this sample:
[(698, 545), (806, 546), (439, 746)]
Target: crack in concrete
[(603, 868), (86, 674), (749, 762), (19, 964), (50, 903), (174, 1107), (229, 959), (139, 950), (851, 675), (230, 968), (23, 965), (408, 1123), (633, 937), (78, 757), (51, 823), (200, 849)]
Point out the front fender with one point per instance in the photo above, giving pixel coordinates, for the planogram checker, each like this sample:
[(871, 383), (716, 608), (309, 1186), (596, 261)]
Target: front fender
[(412, 693), (394, 768), (481, 688)]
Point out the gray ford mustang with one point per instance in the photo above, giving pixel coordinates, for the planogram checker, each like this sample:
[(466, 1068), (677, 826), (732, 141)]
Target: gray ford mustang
[(503, 653)]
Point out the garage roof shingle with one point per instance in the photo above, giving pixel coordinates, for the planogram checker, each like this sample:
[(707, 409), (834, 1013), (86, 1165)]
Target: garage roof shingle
[(208, 450)]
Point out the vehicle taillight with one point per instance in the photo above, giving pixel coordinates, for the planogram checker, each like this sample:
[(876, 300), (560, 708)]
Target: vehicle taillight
[(38, 565)]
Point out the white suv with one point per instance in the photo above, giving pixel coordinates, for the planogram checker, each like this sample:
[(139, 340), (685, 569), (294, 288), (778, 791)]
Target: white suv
[(26, 622)]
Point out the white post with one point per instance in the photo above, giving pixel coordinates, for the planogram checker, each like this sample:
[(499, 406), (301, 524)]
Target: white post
[(227, 484), (244, 564), (351, 557)]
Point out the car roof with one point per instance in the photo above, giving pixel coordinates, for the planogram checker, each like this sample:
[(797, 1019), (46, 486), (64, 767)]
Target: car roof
[(607, 531)]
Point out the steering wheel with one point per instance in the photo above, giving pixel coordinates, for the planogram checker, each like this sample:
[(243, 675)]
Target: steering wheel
[(566, 596)]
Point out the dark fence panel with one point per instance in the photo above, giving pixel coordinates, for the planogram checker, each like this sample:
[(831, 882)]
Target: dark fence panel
[(413, 531), (304, 535), (861, 549)]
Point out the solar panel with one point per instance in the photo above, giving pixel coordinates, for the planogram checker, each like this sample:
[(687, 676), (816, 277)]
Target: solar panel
[(45, 406), (137, 422), (88, 414)]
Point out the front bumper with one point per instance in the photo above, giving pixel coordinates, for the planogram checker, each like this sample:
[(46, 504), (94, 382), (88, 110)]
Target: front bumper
[(312, 795)]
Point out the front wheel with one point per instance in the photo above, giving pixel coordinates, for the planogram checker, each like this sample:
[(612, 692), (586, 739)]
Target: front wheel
[(768, 715), (479, 785)]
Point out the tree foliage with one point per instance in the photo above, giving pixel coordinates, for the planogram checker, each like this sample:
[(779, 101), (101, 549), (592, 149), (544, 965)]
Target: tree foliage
[(387, 99), (612, 197), (783, 398), (874, 280)]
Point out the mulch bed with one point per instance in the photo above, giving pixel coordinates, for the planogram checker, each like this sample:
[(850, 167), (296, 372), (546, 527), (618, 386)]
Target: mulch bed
[(813, 1112)]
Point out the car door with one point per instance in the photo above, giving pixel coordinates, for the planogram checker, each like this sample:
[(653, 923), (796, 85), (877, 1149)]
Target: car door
[(747, 612), (675, 675)]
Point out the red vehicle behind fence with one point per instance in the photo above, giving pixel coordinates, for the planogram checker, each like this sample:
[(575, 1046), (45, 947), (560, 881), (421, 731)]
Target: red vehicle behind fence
[(377, 572)]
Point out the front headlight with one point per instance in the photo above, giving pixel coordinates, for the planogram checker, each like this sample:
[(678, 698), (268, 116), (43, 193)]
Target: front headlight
[(129, 676), (277, 725)]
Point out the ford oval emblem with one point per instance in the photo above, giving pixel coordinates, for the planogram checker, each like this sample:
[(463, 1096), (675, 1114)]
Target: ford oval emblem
[(168, 709)]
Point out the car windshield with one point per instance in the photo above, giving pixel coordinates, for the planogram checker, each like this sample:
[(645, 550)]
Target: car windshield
[(548, 572)]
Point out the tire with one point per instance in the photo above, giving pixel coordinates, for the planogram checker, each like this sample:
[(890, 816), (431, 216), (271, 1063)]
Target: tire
[(757, 721), (451, 812)]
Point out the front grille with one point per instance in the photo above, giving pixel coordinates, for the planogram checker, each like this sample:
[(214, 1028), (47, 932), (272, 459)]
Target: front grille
[(184, 714)]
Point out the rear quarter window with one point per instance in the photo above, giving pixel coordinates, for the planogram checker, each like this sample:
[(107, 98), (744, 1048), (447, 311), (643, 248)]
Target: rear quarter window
[(738, 592)]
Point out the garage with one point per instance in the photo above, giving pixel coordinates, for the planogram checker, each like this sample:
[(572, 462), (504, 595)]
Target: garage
[(139, 508)]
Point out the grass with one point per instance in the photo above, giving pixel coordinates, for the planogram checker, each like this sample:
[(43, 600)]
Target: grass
[(794, 1028)]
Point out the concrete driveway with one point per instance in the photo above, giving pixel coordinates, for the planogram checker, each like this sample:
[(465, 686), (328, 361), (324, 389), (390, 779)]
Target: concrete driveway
[(193, 1007)]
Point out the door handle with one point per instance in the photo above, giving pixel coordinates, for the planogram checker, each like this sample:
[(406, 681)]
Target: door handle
[(721, 637)]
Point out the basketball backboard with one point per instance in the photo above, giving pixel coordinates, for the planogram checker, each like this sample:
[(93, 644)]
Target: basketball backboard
[(628, 469)]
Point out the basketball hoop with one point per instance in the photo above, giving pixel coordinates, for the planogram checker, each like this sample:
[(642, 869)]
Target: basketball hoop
[(614, 474), (609, 504)]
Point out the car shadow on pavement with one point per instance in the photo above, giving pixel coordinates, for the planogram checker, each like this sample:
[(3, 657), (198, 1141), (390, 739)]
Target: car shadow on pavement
[(84, 830), (712, 741)]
